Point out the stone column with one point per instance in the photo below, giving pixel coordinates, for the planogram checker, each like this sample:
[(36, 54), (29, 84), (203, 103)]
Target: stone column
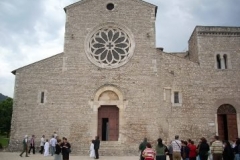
[(94, 121)]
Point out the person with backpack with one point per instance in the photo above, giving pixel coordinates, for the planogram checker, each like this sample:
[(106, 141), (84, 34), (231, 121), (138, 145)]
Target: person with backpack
[(185, 151), (161, 150), (25, 146)]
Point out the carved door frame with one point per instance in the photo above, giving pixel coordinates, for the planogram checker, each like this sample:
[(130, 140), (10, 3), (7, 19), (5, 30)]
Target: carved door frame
[(96, 103)]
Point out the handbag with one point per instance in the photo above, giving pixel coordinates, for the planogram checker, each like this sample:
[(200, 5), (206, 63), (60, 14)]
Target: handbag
[(69, 150)]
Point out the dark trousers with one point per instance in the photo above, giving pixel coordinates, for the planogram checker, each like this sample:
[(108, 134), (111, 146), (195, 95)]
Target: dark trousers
[(162, 157), (170, 157), (204, 157), (25, 149), (217, 156), (192, 158), (141, 157), (32, 147), (41, 150), (96, 154)]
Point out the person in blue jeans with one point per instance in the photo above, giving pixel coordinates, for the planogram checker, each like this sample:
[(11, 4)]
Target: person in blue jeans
[(237, 149), (53, 143)]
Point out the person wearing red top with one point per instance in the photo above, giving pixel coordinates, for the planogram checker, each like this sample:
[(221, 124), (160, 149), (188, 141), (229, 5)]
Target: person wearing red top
[(193, 150), (149, 153)]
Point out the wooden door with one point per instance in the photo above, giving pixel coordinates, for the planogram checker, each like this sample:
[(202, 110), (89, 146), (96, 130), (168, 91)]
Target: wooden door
[(221, 127), (109, 115), (232, 126), (227, 122)]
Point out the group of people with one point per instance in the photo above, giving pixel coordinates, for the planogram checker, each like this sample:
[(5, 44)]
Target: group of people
[(60, 148), (187, 150)]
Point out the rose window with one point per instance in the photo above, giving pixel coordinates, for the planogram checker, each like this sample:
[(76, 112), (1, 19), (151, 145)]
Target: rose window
[(109, 47)]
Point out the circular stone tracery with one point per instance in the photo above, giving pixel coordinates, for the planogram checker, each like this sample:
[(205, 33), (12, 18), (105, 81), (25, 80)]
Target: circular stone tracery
[(109, 46)]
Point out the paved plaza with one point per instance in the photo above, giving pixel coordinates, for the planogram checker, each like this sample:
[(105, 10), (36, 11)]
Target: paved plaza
[(15, 156)]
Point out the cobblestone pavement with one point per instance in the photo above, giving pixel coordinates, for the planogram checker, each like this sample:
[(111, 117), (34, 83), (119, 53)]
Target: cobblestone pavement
[(15, 156)]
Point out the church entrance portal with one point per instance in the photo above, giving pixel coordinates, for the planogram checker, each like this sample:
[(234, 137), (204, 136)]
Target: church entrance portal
[(108, 123), (227, 122)]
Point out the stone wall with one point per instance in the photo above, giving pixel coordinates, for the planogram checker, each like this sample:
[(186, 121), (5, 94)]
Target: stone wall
[(144, 85)]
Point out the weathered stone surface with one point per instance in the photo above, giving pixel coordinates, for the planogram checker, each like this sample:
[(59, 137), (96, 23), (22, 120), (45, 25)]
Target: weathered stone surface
[(142, 89)]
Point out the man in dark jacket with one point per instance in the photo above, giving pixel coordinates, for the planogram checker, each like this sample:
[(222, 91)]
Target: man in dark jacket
[(96, 146)]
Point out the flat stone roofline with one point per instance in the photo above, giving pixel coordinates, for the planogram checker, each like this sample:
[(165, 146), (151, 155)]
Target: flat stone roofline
[(217, 30)]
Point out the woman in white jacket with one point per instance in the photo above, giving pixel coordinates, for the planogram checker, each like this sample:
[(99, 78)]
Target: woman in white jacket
[(92, 151), (46, 148)]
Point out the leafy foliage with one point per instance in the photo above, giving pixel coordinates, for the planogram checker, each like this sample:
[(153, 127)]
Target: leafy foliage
[(6, 108)]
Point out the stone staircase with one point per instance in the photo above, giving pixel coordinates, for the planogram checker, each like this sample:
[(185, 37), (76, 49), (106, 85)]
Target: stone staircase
[(115, 148), (111, 148)]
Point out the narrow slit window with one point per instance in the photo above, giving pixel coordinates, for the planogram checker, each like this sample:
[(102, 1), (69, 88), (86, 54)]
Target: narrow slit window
[(176, 97), (218, 62), (225, 61), (42, 97)]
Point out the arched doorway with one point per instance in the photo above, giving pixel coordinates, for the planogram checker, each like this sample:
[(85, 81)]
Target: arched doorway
[(227, 122), (108, 123), (105, 97)]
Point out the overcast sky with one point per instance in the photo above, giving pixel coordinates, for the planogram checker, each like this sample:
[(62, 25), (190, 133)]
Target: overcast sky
[(31, 30)]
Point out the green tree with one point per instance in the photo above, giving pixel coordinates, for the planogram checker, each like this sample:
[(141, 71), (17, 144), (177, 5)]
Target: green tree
[(6, 108)]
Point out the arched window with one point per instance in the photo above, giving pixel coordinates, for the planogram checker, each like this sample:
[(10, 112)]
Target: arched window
[(218, 62), (225, 61)]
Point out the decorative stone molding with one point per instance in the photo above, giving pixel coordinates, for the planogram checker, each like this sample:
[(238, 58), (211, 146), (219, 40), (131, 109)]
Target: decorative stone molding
[(108, 88), (108, 95), (109, 45)]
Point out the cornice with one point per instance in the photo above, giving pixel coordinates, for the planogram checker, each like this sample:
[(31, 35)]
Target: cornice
[(219, 33)]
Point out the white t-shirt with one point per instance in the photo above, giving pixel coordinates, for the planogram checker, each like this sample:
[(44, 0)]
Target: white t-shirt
[(176, 145), (53, 142), (42, 141)]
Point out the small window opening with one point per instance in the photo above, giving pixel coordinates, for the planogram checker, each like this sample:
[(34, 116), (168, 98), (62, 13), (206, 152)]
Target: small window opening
[(225, 60), (110, 6), (218, 62), (42, 97), (176, 97)]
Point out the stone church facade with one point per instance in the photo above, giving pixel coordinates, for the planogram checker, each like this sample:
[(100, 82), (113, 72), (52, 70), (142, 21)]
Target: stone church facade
[(112, 81)]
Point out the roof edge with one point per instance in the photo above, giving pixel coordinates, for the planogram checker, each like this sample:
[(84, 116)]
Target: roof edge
[(14, 71), (141, 1)]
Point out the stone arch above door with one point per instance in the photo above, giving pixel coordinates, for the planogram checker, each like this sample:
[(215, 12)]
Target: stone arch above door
[(224, 101), (226, 109), (108, 89)]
